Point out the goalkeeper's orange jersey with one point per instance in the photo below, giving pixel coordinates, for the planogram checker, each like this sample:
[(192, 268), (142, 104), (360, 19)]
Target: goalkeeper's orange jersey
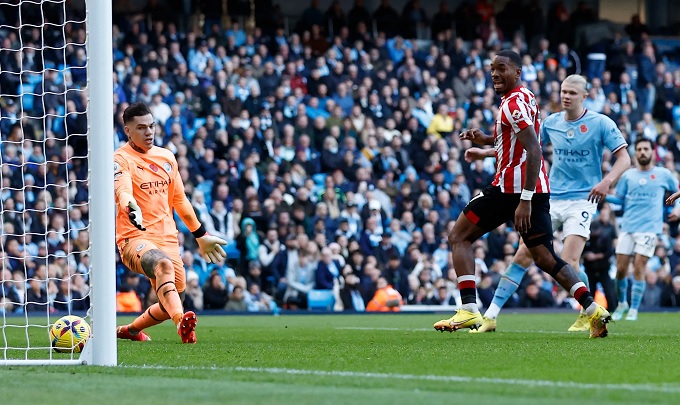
[(153, 179)]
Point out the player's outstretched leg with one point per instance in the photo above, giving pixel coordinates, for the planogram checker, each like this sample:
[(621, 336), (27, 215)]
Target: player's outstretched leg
[(123, 332), (186, 327), (153, 315)]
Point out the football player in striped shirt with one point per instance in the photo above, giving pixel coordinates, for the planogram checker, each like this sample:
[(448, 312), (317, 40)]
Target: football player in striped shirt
[(578, 137), (520, 192)]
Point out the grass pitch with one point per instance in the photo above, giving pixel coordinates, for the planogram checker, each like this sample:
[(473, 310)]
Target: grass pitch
[(373, 359)]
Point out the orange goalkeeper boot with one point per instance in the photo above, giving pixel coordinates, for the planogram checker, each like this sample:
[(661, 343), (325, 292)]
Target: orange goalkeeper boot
[(123, 332), (186, 327)]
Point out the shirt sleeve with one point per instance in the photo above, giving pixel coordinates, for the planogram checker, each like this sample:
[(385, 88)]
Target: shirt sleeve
[(122, 179), (613, 139), (182, 205)]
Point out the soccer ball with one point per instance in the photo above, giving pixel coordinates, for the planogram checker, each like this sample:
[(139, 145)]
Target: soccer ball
[(69, 334)]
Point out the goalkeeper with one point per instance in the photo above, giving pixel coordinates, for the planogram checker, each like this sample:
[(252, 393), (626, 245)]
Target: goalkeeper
[(148, 187)]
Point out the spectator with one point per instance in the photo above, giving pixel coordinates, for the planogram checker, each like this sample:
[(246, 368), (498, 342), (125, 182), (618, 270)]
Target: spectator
[(351, 294), (535, 297), (215, 293), (327, 271), (386, 298), (299, 277), (237, 300), (127, 299), (194, 294), (10, 301), (670, 296)]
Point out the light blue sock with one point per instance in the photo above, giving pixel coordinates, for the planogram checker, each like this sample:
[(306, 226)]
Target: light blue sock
[(622, 286), (508, 284), (636, 293), (583, 276)]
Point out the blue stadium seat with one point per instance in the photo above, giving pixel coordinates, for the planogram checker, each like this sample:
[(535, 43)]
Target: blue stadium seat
[(58, 125), (27, 97), (34, 79), (319, 178), (323, 300), (198, 122), (206, 187)]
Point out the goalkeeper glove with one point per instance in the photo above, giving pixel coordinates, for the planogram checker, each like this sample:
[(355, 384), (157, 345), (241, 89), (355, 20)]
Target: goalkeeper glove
[(210, 248), (133, 210)]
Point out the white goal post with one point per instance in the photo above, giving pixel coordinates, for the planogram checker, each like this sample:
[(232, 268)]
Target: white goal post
[(24, 332)]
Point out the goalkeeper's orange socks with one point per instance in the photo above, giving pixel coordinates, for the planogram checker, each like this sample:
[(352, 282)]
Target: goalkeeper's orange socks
[(153, 316), (169, 298), (167, 291)]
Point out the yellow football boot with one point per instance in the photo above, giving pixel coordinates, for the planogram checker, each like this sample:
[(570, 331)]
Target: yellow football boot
[(488, 325), (460, 320), (582, 324), (598, 322)]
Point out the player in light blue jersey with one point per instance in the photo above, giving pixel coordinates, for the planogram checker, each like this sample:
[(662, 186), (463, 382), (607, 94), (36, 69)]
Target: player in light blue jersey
[(579, 138), (640, 191)]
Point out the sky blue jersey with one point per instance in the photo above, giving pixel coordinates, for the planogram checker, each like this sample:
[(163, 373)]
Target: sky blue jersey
[(577, 152), (643, 198)]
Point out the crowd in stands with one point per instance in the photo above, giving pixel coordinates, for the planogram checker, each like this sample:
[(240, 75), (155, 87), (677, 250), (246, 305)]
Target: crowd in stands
[(328, 157)]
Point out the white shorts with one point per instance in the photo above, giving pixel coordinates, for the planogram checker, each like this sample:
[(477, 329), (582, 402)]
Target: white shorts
[(642, 243), (573, 216)]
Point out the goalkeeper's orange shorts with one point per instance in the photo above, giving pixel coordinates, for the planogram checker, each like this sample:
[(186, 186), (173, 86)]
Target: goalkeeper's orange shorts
[(132, 251)]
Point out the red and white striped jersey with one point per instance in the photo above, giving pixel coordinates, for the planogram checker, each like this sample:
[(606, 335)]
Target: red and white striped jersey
[(518, 110)]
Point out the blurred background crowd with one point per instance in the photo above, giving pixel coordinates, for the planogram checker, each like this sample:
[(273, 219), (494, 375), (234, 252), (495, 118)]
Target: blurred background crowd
[(324, 148)]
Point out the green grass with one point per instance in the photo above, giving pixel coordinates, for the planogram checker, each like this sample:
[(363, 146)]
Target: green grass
[(372, 359)]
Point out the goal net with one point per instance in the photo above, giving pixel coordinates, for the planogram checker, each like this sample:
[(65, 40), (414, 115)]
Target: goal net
[(52, 179)]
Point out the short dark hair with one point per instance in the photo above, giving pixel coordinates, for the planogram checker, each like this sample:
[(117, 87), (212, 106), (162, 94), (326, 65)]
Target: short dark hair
[(644, 139), (135, 110), (513, 56)]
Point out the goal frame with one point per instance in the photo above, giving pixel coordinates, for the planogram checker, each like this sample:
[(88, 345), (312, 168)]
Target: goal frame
[(101, 348)]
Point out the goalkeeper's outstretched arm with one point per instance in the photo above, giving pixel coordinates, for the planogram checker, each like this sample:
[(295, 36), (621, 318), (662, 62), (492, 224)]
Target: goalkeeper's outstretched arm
[(210, 246)]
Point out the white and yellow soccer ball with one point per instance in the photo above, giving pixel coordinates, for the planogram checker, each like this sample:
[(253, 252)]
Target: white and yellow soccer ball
[(69, 334)]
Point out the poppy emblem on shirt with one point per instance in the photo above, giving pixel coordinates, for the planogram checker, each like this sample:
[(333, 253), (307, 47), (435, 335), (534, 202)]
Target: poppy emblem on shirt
[(167, 167), (652, 176), (153, 167), (583, 128)]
